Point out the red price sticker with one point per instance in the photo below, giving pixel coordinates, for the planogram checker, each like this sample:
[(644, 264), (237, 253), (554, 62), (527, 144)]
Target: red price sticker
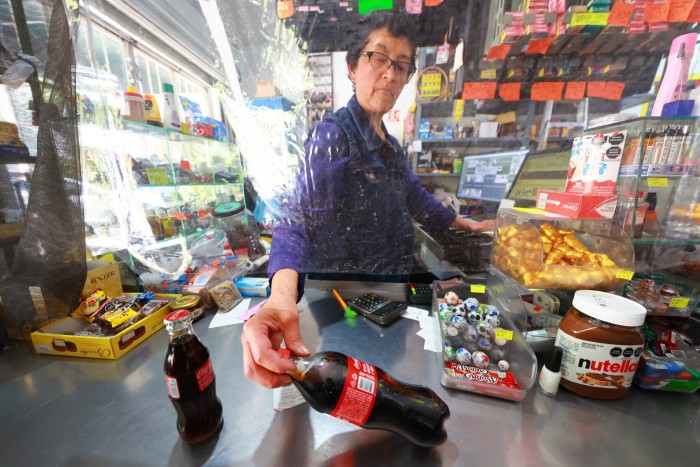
[(656, 12), (621, 14), (575, 90), (479, 90), (509, 91), (547, 91)]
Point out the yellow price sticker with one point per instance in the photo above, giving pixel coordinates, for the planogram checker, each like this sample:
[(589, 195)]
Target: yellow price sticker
[(679, 302), (589, 19), (478, 288), (504, 334), (657, 181), (157, 176), (625, 274)]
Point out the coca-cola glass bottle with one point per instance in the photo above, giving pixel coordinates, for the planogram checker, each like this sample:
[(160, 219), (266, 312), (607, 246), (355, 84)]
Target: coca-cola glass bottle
[(366, 396), (190, 379)]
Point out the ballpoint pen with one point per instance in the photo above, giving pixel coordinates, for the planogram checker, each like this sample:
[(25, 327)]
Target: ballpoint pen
[(349, 312)]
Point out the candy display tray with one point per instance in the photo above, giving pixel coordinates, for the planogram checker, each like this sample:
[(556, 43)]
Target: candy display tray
[(522, 360)]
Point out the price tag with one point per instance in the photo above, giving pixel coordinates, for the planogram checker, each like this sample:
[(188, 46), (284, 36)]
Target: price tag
[(475, 288), (489, 73), (656, 12), (498, 52), (547, 91), (679, 10), (504, 334), (509, 91), (679, 302), (625, 274), (458, 109), (575, 90), (657, 181), (157, 176), (479, 90), (621, 14), (589, 19)]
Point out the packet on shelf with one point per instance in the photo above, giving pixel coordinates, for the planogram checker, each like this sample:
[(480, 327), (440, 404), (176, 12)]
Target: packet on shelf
[(550, 257)]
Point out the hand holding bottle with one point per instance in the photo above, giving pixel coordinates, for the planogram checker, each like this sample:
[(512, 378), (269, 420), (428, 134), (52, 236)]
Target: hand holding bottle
[(364, 395), (276, 321)]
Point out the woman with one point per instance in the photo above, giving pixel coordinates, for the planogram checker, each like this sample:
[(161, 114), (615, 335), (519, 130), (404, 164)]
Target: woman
[(353, 208)]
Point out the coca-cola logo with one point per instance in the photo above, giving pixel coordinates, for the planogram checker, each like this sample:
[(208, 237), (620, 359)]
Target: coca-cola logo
[(205, 375)]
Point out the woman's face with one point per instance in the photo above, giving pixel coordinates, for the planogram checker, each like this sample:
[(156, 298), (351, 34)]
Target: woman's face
[(378, 90)]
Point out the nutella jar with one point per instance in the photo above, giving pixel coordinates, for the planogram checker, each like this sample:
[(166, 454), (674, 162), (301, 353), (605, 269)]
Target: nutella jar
[(602, 340)]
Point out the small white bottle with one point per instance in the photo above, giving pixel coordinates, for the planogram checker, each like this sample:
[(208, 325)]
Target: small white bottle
[(551, 372), (171, 116)]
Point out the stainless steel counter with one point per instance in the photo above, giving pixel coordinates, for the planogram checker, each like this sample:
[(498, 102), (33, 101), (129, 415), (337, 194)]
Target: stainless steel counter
[(70, 411)]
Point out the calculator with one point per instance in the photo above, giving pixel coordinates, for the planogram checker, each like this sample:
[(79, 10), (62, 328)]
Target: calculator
[(420, 294), (377, 308)]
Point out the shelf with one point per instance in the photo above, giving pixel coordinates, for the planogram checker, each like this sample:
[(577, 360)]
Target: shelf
[(666, 241), (173, 135), (436, 174), (7, 159), (180, 185), (486, 142), (648, 170)]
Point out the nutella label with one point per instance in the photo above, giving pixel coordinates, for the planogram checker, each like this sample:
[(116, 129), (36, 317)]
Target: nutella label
[(593, 364), (359, 393)]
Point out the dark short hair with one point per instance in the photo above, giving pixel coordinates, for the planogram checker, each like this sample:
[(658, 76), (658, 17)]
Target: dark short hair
[(398, 24)]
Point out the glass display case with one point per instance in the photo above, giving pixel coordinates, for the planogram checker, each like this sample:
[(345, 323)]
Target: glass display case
[(162, 184), (658, 189)]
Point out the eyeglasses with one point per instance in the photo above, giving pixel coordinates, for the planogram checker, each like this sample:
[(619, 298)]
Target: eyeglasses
[(381, 63)]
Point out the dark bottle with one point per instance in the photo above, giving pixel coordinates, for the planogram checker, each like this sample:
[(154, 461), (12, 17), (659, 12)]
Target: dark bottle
[(364, 395), (190, 380)]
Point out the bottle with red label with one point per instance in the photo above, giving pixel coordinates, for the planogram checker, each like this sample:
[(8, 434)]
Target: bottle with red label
[(366, 396), (190, 380)]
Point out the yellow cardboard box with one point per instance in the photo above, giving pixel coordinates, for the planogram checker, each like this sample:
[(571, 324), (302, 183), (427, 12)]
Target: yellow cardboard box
[(54, 339)]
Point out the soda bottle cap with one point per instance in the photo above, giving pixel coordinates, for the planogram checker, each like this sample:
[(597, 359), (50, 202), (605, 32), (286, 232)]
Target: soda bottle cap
[(176, 316), (284, 353)]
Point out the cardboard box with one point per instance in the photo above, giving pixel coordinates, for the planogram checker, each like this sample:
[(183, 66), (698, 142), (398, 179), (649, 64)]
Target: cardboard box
[(577, 206), (253, 286), (53, 339), (595, 163)]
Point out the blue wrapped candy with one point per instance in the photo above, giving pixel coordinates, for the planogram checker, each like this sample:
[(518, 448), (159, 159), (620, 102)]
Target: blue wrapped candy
[(471, 304), (464, 356)]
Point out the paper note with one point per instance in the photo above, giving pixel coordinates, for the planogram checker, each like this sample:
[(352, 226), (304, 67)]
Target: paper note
[(509, 91), (575, 90), (656, 12), (680, 10), (479, 90), (547, 91), (230, 317), (498, 52), (414, 313), (620, 14)]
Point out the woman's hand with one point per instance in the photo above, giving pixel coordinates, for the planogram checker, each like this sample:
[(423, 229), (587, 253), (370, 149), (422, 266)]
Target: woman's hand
[(263, 334), (472, 226)]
